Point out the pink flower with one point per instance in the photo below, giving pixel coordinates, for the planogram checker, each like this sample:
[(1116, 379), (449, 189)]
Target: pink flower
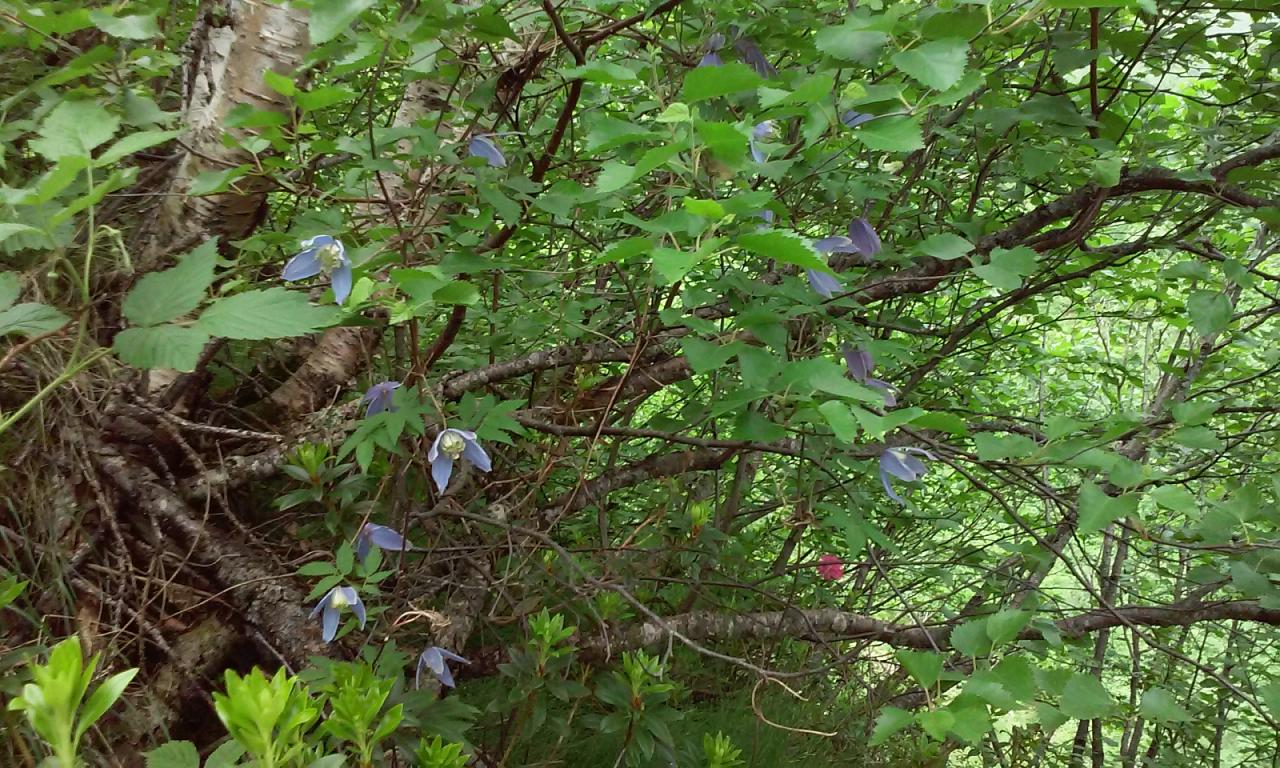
[(830, 567)]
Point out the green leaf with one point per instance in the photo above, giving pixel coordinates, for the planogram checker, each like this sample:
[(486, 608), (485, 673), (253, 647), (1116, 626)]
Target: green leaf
[(1270, 695), (1197, 438), (74, 128), (708, 209), (1085, 698), (896, 133), (602, 72), (163, 296), (704, 83), (1006, 268), (1176, 498), (30, 319), (849, 42), (10, 288), (211, 182), (1004, 626), (458, 292), (890, 721), (924, 666), (936, 723), (999, 447), (970, 638), (160, 346), (102, 699), (673, 264), (273, 313), (174, 754), (126, 27), (134, 142), (676, 112), (841, 420), (1106, 170), (1098, 510), (945, 246), (972, 722), (1159, 705), (330, 18), (943, 422), (7, 230), (783, 246), (614, 176), (1192, 413), (938, 64), (1210, 312)]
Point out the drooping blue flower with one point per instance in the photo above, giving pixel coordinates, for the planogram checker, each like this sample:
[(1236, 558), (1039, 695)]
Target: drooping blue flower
[(759, 133), (483, 146), (902, 464), (322, 253), (378, 397), (859, 362), (754, 57), (852, 118), (380, 536), (449, 446), (437, 660), (864, 237), (332, 604), (824, 284), (767, 216), (835, 244), (712, 57)]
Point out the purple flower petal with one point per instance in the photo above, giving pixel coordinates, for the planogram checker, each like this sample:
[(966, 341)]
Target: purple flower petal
[(329, 624), (711, 59), (853, 118), (858, 361), (834, 244), (864, 237), (341, 282), (754, 57), (483, 146), (441, 470), (379, 397), (715, 42), (476, 455), (302, 266), (383, 537), (757, 154), (890, 399), (823, 284)]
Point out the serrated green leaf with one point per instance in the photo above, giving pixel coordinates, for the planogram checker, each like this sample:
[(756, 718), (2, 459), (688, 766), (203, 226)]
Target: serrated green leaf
[(1097, 510), (924, 666), (174, 754), (945, 246), (703, 83), (992, 447), (134, 142), (330, 18), (970, 638), (841, 419), (160, 346), (74, 128), (850, 42), (938, 64), (163, 296), (30, 319), (895, 133), (1085, 698), (602, 72), (10, 288), (890, 721), (673, 264), (126, 27), (1004, 626), (1210, 312), (9, 229), (273, 313), (784, 247), (1159, 705), (1006, 268), (458, 292)]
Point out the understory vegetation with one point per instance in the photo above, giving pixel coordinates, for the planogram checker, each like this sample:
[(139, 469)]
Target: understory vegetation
[(697, 383)]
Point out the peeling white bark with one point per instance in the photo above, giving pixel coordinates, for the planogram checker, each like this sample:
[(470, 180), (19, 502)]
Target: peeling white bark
[(237, 41)]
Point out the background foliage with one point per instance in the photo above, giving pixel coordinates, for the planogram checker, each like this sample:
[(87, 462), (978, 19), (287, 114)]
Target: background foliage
[(972, 304)]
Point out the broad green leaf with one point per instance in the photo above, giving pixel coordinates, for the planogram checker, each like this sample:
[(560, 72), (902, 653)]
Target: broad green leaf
[(936, 723), (706, 356), (943, 422), (703, 83), (972, 722), (1210, 312), (212, 182), (458, 292), (938, 64), (614, 176), (1176, 498), (673, 264), (1192, 413), (1004, 626), (896, 133), (101, 700), (676, 112), (709, 209), (945, 246), (1270, 694), (10, 288), (163, 296), (602, 72), (8, 230), (850, 42), (74, 128), (1197, 438), (1097, 510), (272, 313), (890, 721), (174, 754), (971, 639), (330, 18), (924, 666), (1160, 705), (30, 319), (841, 420), (622, 250), (127, 27), (993, 447), (1006, 268), (1084, 698), (160, 346), (134, 142), (784, 247)]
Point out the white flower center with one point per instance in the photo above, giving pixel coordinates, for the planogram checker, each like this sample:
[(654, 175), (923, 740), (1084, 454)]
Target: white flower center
[(330, 257), (339, 600), (452, 444)]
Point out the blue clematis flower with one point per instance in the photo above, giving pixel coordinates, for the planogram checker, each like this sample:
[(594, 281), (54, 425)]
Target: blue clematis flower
[(852, 118), (754, 57), (322, 253), (449, 446), (864, 237), (380, 536), (483, 146), (822, 283), (712, 57), (332, 604), (379, 396), (437, 660), (759, 133), (902, 464), (859, 362)]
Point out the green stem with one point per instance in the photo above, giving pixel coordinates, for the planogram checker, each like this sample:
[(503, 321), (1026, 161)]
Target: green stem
[(62, 378)]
